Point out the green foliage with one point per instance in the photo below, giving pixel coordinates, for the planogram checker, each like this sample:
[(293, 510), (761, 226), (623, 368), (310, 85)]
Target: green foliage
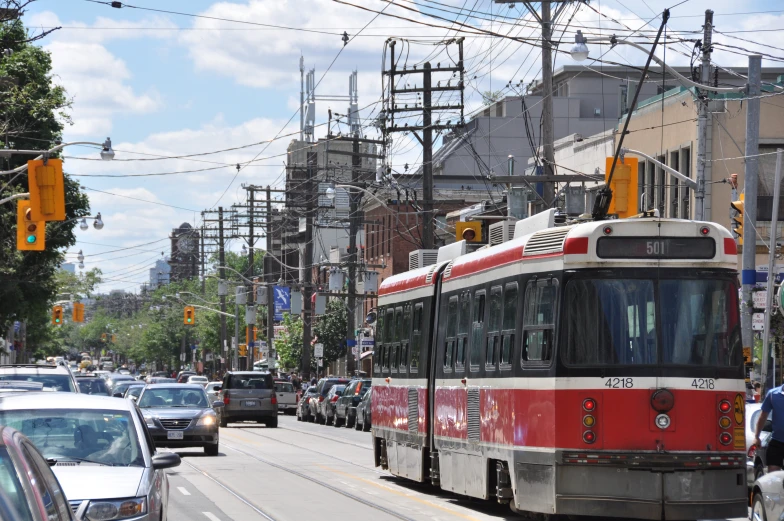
[(489, 97), (330, 330), (289, 343)]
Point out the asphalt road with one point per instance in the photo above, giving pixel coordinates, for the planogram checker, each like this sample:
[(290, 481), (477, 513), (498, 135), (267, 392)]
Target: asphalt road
[(306, 472)]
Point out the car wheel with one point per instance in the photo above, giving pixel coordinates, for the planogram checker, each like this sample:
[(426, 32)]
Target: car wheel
[(350, 421), (211, 450), (337, 422), (299, 416), (759, 471), (224, 422), (366, 425), (272, 422), (357, 426), (758, 509)]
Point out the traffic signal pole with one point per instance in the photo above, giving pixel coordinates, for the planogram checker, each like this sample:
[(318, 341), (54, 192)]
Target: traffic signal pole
[(749, 269), (771, 278)]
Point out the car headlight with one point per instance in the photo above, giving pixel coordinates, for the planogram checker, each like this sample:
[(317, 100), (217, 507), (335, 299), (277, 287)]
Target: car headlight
[(150, 421), (208, 419), (119, 509)]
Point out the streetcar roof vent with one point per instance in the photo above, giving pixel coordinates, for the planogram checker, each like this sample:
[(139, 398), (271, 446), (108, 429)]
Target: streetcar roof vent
[(431, 272), (448, 269), (546, 241), (535, 223), (421, 258)]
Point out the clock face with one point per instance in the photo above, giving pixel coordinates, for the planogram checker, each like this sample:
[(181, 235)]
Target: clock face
[(185, 244)]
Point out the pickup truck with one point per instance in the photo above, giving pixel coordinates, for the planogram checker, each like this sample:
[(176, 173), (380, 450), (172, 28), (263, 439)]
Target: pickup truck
[(287, 396)]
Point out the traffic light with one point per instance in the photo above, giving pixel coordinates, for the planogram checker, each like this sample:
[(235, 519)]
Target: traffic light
[(470, 231), (47, 190), (103, 337), (189, 317), (30, 234), (57, 315), (624, 186), (243, 348), (114, 338), (737, 220), (77, 313)]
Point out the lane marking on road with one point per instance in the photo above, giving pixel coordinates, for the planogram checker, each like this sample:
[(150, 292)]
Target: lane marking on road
[(403, 494), (184, 491), (211, 516)]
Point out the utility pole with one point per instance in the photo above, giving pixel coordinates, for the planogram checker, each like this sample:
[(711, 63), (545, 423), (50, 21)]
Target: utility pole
[(222, 277), (700, 212), (307, 266), (771, 277), (548, 133), (203, 272), (249, 275), (301, 98), (270, 279), (749, 270), (353, 228), (393, 107)]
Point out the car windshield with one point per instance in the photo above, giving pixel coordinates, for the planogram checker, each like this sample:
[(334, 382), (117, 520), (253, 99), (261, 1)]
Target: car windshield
[(102, 437), (11, 487), (338, 389), (134, 391), (52, 382), (283, 387), (173, 397), (247, 381), (93, 386), (648, 322)]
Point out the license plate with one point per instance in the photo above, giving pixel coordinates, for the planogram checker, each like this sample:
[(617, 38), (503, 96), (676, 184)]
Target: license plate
[(250, 404), (174, 435)]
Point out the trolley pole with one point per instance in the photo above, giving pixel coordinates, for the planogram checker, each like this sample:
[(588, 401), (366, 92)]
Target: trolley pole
[(771, 277), (749, 271)]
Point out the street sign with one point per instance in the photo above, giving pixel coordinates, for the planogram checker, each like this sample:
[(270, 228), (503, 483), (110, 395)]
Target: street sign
[(318, 350), (758, 321), (760, 299), (355, 350), (282, 301), (320, 362)]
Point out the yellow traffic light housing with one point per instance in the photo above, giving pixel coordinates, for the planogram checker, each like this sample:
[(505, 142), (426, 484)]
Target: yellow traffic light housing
[(103, 337), (47, 189), (624, 185), (243, 350), (189, 316), (77, 313), (469, 231), (737, 220), (30, 234), (57, 315), (114, 338)]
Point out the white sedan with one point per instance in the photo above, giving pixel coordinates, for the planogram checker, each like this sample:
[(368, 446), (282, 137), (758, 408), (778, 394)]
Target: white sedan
[(768, 497)]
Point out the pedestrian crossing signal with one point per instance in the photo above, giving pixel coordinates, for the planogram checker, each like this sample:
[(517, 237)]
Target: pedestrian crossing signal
[(189, 317), (77, 314)]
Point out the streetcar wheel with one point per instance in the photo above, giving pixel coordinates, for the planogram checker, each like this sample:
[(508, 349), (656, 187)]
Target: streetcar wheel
[(758, 509)]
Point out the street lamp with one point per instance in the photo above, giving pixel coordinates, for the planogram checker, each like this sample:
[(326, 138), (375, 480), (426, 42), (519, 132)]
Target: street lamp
[(80, 256), (107, 153), (579, 50), (98, 223), (244, 250)]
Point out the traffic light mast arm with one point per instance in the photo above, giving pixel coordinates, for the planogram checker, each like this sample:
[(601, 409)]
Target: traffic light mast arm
[(210, 309), (15, 196), (690, 182)]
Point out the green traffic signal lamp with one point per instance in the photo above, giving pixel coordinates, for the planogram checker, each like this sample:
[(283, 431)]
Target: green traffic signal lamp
[(57, 320), (31, 239)]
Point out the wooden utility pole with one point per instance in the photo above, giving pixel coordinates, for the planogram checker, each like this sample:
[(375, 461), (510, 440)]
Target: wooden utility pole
[(222, 275), (269, 276), (306, 265)]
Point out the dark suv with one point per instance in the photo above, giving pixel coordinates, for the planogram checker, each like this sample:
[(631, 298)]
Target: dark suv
[(249, 396), (346, 406), (323, 386)]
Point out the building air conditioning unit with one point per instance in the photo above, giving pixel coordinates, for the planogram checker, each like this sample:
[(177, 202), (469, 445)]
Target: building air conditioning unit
[(501, 232), (421, 258)]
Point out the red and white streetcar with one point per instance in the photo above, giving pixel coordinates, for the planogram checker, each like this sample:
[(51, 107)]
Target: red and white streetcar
[(586, 369)]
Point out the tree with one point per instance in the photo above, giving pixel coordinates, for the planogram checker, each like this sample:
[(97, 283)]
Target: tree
[(288, 344), (32, 112), (490, 96), (330, 329)]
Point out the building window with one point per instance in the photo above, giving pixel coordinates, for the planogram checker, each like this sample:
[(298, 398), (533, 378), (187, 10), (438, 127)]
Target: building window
[(685, 206), (674, 185)]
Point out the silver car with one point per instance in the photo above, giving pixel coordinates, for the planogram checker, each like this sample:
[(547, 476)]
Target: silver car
[(287, 397), (99, 450), (767, 500), (249, 396)]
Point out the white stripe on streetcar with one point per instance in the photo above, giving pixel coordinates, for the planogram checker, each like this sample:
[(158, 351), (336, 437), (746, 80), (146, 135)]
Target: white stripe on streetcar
[(184, 491)]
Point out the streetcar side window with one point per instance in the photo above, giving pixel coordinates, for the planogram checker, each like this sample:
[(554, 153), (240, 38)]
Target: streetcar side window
[(416, 338), (539, 320), (494, 327), (462, 330), (451, 332), (509, 324), (477, 330), (405, 341), (394, 356), (379, 341)]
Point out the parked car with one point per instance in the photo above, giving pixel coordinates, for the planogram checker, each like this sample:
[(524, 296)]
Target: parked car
[(323, 386), (346, 406), (99, 450), (54, 377), (213, 390), (287, 396), (182, 376), (93, 385), (200, 380), (327, 406), (133, 392), (363, 419), (767, 499), (180, 415), (118, 391), (249, 396), (29, 490), (303, 407)]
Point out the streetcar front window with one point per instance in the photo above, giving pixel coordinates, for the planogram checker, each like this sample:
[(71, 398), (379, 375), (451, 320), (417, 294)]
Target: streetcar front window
[(648, 322)]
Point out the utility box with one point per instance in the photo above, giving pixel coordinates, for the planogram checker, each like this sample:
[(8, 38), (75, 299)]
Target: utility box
[(321, 304), (336, 279), (241, 298), (296, 302), (371, 281)]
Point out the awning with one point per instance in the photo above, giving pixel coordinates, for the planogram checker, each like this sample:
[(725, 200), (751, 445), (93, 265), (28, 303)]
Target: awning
[(365, 355)]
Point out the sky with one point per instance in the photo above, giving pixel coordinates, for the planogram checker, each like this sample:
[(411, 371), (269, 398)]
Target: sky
[(169, 84)]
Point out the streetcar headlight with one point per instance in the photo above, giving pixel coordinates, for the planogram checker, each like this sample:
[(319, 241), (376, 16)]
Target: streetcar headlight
[(662, 421)]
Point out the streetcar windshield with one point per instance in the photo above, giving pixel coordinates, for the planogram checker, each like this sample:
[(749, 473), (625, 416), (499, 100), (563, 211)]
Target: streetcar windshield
[(647, 322)]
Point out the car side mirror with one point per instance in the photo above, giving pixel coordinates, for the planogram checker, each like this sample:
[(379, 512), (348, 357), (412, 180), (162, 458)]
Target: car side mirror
[(218, 389), (134, 398), (118, 395), (166, 461), (218, 404)]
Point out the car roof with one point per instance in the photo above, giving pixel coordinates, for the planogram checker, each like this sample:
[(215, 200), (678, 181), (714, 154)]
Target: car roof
[(197, 376), (175, 386), (34, 369), (49, 400), (243, 373)]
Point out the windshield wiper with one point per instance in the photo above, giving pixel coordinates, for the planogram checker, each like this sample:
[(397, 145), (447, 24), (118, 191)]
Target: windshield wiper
[(69, 459)]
